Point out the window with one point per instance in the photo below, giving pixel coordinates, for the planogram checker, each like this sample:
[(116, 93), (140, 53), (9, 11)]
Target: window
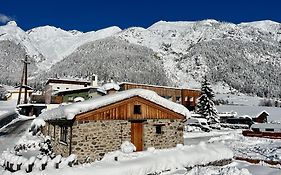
[(256, 129), (178, 99), (70, 98), (58, 87), (158, 129), (54, 133), (63, 134), (137, 109), (191, 99), (269, 129), (49, 129)]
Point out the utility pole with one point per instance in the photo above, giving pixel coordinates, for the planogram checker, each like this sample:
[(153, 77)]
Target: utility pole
[(24, 81)]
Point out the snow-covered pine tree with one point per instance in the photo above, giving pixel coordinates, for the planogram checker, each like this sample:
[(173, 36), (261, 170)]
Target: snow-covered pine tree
[(205, 105), (207, 89)]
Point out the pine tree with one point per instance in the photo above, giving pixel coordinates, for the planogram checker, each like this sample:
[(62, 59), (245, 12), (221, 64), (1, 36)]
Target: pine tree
[(207, 89), (205, 105)]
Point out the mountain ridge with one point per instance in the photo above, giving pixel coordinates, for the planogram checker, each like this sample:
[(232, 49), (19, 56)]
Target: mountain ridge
[(177, 46)]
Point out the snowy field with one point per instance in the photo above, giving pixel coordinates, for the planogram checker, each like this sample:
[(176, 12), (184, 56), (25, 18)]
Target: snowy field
[(240, 99)]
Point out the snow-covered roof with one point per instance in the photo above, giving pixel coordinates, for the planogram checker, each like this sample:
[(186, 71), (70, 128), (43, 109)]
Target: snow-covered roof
[(73, 90), (68, 81), (108, 86), (78, 99), (30, 104), (266, 125), (158, 86), (68, 112), (24, 86), (264, 111)]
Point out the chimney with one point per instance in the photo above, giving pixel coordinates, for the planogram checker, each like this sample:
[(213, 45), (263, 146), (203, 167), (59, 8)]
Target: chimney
[(94, 81)]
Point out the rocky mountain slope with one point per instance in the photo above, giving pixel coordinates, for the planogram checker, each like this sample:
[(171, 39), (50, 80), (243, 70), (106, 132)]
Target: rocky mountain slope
[(242, 56), (111, 58)]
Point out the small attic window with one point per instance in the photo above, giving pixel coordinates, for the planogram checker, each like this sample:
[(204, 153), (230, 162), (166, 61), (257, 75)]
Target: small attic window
[(137, 109)]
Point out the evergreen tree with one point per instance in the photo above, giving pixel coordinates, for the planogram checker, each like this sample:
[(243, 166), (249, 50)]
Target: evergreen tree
[(207, 89), (205, 105)]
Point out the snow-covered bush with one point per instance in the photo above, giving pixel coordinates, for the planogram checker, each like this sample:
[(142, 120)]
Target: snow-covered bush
[(46, 147), (128, 147), (36, 125)]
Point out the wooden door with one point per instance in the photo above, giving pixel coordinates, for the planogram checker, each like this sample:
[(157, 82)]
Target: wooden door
[(137, 134)]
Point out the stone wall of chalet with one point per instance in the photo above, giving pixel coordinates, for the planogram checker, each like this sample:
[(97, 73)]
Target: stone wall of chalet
[(92, 139), (59, 146), (95, 138), (171, 133)]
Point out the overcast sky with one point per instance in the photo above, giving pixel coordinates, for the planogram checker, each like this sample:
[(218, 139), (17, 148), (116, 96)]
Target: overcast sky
[(88, 15)]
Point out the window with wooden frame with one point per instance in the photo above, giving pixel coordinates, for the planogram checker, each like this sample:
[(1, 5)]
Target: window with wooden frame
[(256, 129), (137, 109), (48, 130), (158, 129), (63, 134), (269, 129), (54, 132)]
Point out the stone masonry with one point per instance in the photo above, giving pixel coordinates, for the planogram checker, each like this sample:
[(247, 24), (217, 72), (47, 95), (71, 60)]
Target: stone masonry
[(95, 138), (171, 135), (59, 147), (92, 139)]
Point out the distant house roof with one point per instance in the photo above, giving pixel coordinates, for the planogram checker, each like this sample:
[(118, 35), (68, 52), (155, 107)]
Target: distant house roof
[(69, 91), (108, 86), (68, 112), (157, 86), (67, 81), (264, 111), (24, 86)]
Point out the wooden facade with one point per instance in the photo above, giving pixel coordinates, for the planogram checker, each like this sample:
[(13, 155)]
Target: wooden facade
[(186, 97), (124, 110)]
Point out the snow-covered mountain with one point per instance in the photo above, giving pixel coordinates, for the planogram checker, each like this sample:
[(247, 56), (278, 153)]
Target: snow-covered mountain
[(55, 43), (47, 44), (244, 56)]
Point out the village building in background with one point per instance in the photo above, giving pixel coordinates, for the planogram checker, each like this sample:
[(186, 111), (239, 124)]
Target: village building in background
[(186, 97)]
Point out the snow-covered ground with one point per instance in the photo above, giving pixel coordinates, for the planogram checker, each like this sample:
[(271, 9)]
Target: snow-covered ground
[(239, 99), (251, 147), (217, 145), (247, 147)]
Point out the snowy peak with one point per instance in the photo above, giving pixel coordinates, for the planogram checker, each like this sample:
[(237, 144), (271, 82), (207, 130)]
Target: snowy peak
[(46, 32), (48, 44), (13, 33), (264, 25), (12, 23)]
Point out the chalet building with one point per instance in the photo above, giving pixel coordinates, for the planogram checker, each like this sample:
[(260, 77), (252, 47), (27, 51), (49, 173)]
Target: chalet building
[(94, 127), (267, 130), (15, 92), (70, 95), (54, 85), (186, 97), (261, 118)]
